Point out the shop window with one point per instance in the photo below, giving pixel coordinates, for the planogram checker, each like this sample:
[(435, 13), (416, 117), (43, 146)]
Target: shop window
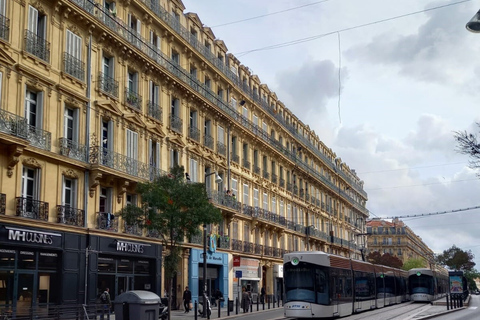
[(7, 258), (47, 261), (125, 266), (106, 265), (26, 260), (142, 267)]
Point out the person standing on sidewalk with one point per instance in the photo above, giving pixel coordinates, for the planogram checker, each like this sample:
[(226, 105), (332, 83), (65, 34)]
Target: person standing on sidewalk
[(187, 299)]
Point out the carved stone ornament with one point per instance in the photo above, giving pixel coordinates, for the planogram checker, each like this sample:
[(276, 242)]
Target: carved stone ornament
[(31, 162), (69, 173)]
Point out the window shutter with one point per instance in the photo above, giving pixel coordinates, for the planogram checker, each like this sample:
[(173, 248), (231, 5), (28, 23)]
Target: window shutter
[(150, 153), (157, 155), (39, 116), (32, 20)]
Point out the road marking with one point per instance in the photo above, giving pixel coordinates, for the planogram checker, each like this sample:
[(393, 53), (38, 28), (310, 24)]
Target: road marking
[(472, 307)]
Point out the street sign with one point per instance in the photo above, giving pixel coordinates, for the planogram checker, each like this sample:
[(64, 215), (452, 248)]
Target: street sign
[(238, 274)]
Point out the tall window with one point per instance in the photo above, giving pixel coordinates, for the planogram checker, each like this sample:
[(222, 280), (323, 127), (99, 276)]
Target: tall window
[(246, 231), (174, 158), (155, 45), (274, 205), (34, 108), (245, 112), (255, 198), (246, 192), (30, 183), (221, 135), (135, 33), (265, 201), (132, 81), (234, 186), (154, 153), (108, 66), (193, 170), (175, 57), (107, 143), (132, 152), (73, 58), (37, 25), (69, 192), (281, 211), (105, 203), (70, 124)]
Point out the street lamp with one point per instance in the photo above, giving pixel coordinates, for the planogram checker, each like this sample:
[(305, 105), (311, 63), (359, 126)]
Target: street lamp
[(218, 179), (474, 24)]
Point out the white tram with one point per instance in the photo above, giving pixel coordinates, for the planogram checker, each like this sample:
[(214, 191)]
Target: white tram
[(322, 285), (426, 285)]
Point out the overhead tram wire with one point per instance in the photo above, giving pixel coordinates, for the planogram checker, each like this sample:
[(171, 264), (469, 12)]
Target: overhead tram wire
[(307, 39), (433, 213), (268, 14)]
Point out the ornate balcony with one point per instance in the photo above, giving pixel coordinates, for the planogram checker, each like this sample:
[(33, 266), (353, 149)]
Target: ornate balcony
[(33, 209), (295, 190), (208, 141), (72, 149), (256, 169), (134, 229), (194, 133), (258, 249), (154, 111), (274, 178), (302, 192), (247, 247), (107, 221), (223, 199), (282, 183), (73, 66), (3, 203), (196, 239), (108, 85), (39, 138), (221, 149), (176, 123), (246, 164), (266, 175), (13, 124), (224, 242), (268, 251), (4, 28), (70, 216), (289, 187), (237, 245), (37, 46), (133, 99), (108, 158)]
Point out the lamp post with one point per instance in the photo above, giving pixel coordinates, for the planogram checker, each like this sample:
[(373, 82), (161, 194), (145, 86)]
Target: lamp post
[(218, 179)]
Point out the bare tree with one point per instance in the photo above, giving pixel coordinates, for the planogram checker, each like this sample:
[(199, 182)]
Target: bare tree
[(467, 143)]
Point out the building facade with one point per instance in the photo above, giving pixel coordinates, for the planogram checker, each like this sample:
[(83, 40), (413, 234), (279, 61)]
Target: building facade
[(397, 239), (97, 96)]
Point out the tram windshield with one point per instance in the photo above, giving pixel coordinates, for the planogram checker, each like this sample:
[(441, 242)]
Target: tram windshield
[(306, 282), (421, 284)]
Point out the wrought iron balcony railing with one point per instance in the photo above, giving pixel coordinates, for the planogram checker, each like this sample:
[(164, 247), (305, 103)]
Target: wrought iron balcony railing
[(302, 192), (104, 157), (3, 203), (274, 178), (37, 46), (247, 247), (196, 239), (154, 111), (237, 245), (289, 187), (73, 66), (246, 164), (134, 229), (39, 138), (108, 85), (224, 242), (194, 133), (225, 200), (107, 221), (70, 216), (13, 124), (133, 99), (176, 123), (4, 27), (33, 209), (208, 141), (282, 182), (256, 169), (221, 149), (72, 149), (258, 249), (266, 175), (268, 251), (235, 158)]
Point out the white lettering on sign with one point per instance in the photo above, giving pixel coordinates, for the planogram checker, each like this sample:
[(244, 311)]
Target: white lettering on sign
[(24, 235), (131, 247)]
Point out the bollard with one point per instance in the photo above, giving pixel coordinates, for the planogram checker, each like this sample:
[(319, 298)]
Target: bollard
[(448, 306), (219, 307), (228, 307), (257, 303), (263, 304), (205, 310), (268, 304), (195, 309), (251, 305), (236, 306), (461, 301)]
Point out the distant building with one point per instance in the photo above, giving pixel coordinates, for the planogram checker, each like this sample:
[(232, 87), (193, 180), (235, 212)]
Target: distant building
[(398, 239)]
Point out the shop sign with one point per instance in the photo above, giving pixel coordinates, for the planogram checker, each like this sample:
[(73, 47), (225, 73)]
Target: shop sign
[(24, 235), (131, 247), (236, 261), (278, 271)]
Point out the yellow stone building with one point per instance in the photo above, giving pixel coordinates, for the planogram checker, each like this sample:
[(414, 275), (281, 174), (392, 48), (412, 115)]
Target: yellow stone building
[(396, 238), (97, 96)]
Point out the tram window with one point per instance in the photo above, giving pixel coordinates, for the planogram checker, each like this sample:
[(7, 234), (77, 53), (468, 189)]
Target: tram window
[(47, 261), (27, 260), (7, 258), (299, 285), (321, 286)]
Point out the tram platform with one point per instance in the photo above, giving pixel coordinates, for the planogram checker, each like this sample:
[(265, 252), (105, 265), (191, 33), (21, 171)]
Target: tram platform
[(439, 307)]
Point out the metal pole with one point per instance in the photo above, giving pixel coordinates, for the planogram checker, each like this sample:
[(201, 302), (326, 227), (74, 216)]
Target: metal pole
[(204, 271)]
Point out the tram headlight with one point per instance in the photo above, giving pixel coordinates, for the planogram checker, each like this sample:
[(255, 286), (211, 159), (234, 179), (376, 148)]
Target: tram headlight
[(295, 261)]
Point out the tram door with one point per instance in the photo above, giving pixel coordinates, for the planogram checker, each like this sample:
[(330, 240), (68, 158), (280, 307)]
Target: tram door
[(336, 285)]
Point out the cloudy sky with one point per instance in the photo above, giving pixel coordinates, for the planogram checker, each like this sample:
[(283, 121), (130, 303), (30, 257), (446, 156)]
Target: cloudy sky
[(409, 77)]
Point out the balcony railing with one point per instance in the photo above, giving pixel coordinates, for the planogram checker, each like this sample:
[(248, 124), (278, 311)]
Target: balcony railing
[(282, 183), (3, 203), (246, 164), (37, 46), (107, 221), (104, 157), (208, 141), (33, 209), (108, 85), (236, 158), (256, 169), (274, 178), (176, 123), (134, 229), (194, 133), (196, 239), (73, 66), (258, 249), (72, 149), (268, 251), (13, 124), (133, 99), (70, 216), (221, 149), (247, 247), (224, 242), (39, 138), (225, 200), (237, 245), (154, 110), (266, 175), (4, 28)]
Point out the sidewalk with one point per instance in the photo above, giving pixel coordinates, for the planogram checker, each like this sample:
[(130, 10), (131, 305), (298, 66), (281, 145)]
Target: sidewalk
[(438, 307)]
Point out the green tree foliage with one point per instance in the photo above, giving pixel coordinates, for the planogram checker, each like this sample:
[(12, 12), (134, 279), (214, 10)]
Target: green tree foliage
[(471, 275), (385, 259), (172, 209), (414, 263), (456, 259), (468, 144)]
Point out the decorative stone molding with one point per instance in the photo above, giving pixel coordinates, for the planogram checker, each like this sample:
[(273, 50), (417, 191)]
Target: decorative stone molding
[(31, 162), (69, 173), (14, 153)]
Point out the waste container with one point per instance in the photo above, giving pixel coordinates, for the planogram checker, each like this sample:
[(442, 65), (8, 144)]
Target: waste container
[(230, 305), (137, 305)]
